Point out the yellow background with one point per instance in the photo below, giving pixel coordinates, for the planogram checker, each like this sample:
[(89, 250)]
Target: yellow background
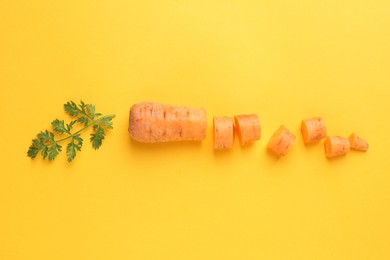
[(284, 60)]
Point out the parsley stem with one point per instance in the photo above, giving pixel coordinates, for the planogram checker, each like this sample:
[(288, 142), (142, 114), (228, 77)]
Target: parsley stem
[(82, 129)]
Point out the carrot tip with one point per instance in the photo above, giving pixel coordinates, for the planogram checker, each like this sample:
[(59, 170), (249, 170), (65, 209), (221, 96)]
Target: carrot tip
[(357, 143)]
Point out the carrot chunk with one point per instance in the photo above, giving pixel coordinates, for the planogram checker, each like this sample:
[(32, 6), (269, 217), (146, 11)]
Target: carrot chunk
[(357, 143), (248, 128), (336, 146), (281, 141), (223, 132), (313, 129), (154, 122)]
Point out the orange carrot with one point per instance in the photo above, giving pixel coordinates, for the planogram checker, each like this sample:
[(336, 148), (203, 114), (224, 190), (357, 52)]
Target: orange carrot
[(357, 143), (335, 146), (154, 122), (313, 129), (281, 141), (223, 132), (248, 128)]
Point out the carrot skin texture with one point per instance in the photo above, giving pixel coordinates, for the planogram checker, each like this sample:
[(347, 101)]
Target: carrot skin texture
[(248, 128), (281, 141), (357, 143), (336, 146), (223, 132), (154, 122), (313, 129)]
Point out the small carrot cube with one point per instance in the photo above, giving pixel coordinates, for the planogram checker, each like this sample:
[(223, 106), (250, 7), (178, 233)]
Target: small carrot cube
[(313, 129), (223, 132), (336, 146), (281, 141)]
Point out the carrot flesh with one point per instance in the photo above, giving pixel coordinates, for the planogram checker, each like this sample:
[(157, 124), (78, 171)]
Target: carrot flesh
[(223, 132), (357, 143), (154, 122), (313, 129), (336, 146), (281, 141), (248, 128)]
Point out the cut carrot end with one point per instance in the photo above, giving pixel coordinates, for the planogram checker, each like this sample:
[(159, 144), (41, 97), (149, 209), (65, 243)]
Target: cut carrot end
[(328, 147), (304, 132), (238, 129)]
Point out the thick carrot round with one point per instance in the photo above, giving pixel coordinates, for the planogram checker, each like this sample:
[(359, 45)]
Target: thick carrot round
[(357, 143), (336, 146), (313, 129), (223, 132), (281, 141), (248, 128), (154, 122)]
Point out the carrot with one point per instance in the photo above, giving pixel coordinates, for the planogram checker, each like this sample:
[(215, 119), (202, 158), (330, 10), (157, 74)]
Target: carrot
[(223, 132), (335, 146), (154, 122), (313, 129), (281, 141), (248, 128), (357, 143)]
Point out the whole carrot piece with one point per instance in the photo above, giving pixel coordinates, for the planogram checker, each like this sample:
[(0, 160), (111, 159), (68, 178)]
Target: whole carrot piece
[(154, 122)]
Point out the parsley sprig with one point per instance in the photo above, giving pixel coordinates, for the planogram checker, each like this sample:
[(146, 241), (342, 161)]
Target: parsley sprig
[(84, 114)]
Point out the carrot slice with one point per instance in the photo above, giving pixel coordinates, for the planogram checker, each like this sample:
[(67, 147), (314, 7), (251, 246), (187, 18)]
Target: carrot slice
[(223, 132), (357, 143), (248, 128), (281, 141), (336, 146), (154, 122), (313, 129)]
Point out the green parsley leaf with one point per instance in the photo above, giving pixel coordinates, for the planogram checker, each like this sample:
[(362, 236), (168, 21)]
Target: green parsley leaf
[(59, 126), (73, 146), (97, 137), (48, 146), (34, 149), (91, 110), (83, 120), (70, 125), (72, 109), (54, 150), (107, 122), (44, 152)]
